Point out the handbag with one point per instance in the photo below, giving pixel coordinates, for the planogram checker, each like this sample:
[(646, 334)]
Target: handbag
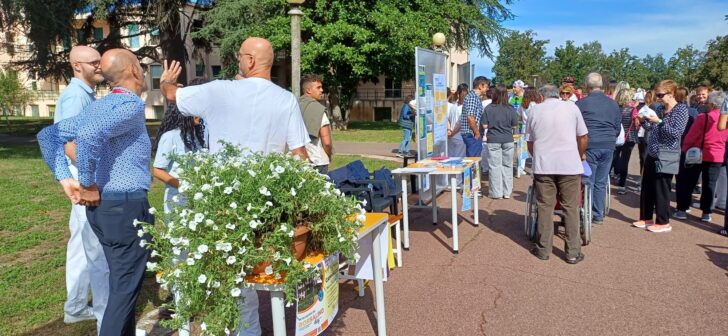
[(668, 161), (694, 155), (621, 137)]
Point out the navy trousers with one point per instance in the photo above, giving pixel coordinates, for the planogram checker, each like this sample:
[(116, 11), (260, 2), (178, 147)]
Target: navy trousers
[(112, 221)]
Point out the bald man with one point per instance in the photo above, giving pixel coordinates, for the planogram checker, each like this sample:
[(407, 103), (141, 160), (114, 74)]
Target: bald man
[(113, 153), (86, 266), (252, 112)]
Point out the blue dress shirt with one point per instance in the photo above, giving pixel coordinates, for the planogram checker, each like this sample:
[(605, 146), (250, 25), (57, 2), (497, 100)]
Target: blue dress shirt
[(73, 100), (112, 145)]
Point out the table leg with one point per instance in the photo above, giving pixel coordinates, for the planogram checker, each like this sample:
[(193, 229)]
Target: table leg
[(453, 186), (379, 285), (405, 212), (433, 189), (277, 306)]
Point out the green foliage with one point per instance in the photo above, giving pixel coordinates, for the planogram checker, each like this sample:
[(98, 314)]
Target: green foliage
[(520, 56), (352, 41), (241, 210), (12, 93), (714, 69)]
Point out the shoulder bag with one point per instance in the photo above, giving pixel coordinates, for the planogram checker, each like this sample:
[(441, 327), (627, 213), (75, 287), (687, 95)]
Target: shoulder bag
[(694, 155)]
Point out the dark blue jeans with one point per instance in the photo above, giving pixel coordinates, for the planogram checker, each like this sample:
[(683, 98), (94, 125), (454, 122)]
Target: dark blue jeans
[(473, 145), (600, 161), (112, 221)]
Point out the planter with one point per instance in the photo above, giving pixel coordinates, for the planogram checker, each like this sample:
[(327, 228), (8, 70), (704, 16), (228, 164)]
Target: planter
[(300, 241)]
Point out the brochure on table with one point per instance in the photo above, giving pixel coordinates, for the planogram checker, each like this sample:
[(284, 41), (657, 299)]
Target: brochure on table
[(318, 299)]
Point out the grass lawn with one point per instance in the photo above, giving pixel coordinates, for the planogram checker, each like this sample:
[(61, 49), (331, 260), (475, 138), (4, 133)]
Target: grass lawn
[(33, 237), (378, 131)]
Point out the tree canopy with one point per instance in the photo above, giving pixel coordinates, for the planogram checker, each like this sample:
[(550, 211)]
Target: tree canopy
[(520, 56)]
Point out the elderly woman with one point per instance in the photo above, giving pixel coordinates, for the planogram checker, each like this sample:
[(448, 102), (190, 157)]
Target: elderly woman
[(499, 119), (704, 134), (663, 157), (622, 153), (566, 92)]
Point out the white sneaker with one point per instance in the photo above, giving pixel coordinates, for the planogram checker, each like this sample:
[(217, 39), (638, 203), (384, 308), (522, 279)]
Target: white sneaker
[(84, 316)]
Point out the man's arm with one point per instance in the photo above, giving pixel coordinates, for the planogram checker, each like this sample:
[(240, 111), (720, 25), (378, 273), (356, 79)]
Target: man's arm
[(473, 126), (51, 146), (168, 80), (326, 143), (70, 149), (582, 141), (301, 152), (529, 144)]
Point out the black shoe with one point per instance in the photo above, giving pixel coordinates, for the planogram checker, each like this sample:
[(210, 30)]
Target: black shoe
[(534, 251), (576, 260), (597, 222)]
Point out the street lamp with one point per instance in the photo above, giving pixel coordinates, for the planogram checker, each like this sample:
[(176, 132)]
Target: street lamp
[(295, 14), (438, 40)]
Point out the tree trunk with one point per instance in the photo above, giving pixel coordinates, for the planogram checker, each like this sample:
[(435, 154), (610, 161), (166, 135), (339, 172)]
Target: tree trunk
[(338, 122), (173, 47)]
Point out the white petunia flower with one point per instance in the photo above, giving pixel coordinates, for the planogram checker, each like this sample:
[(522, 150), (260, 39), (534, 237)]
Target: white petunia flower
[(254, 224), (197, 255), (217, 184), (252, 173), (192, 226), (269, 203), (361, 218), (197, 197), (357, 257), (277, 256), (238, 280), (242, 250), (178, 272), (287, 260), (234, 205), (235, 292), (143, 242), (269, 270), (175, 198), (154, 253), (264, 191), (206, 187), (216, 284), (185, 242), (245, 237), (190, 261), (215, 228), (250, 206), (293, 191), (228, 190), (290, 233), (202, 248), (151, 265), (152, 211), (203, 326), (231, 260), (197, 169), (342, 239), (199, 217), (226, 247), (202, 278), (176, 251), (136, 223), (175, 241), (279, 170), (209, 222), (140, 233), (230, 226)]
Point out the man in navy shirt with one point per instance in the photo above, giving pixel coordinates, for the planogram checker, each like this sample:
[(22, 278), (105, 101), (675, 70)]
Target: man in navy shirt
[(112, 156), (602, 117)]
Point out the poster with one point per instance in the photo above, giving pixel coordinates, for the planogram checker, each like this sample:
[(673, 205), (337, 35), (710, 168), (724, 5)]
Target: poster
[(430, 143), (467, 193), (439, 106), (423, 125), (318, 299), (421, 77)]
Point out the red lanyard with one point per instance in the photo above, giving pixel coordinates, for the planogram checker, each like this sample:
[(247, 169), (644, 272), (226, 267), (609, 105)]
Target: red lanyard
[(120, 91)]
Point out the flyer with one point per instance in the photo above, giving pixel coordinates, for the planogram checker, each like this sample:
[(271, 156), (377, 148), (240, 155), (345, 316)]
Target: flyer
[(318, 299), (467, 193), (439, 106)]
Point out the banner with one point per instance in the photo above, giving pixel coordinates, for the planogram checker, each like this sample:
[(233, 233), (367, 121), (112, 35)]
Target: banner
[(318, 299)]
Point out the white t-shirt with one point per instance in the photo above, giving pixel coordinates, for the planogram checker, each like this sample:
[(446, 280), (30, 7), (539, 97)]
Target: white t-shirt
[(252, 112), (316, 153), (170, 142), (454, 112), (553, 127)]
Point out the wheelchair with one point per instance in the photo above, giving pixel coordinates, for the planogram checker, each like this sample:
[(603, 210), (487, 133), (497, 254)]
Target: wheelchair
[(585, 213)]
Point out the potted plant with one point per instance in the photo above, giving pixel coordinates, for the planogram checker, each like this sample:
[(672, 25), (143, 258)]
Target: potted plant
[(243, 211)]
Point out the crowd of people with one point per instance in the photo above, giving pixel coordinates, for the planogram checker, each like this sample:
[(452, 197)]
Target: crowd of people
[(678, 132), (100, 152)]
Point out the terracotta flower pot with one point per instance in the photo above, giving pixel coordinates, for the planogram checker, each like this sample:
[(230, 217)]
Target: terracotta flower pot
[(300, 241)]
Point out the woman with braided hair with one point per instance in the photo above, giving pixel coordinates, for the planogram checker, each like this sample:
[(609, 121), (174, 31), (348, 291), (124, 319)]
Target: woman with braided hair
[(177, 134)]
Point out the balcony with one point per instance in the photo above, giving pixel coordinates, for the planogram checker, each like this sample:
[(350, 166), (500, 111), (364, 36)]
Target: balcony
[(382, 94)]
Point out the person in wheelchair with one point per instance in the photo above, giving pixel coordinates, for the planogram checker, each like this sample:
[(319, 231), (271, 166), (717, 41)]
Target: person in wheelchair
[(557, 139)]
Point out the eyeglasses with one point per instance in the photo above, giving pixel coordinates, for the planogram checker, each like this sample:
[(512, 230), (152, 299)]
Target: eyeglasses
[(660, 95), (565, 93), (94, 64)]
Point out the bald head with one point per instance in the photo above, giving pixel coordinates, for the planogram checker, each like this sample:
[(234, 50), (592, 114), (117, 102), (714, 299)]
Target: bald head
[(256, 57), (121, 68), (83, 54)]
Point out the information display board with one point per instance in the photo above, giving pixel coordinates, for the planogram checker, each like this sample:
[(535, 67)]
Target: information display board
[(431, 91)]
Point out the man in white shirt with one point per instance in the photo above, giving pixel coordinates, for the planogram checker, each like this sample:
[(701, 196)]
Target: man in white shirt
[(317, 123), (557, 140), (252, 112)]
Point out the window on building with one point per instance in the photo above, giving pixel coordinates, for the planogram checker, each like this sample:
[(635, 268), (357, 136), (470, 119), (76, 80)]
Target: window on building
[(392, 88), (156, 72), (158, 112), (51, 111), (216, 70), (134, 35), (98, 34), (34, 111), (200, 70)]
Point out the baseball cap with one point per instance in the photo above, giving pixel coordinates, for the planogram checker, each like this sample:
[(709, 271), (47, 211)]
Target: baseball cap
[(568, 79), (639, 96), (519, 83)]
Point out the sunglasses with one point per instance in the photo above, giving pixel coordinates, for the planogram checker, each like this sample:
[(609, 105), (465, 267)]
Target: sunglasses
[(565, 93), (660, 95)]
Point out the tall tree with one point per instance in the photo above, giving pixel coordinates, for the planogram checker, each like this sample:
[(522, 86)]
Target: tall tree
[(714, 68), (352, 41), (520, 56), (13, 94), (657, 69), (684, 65)]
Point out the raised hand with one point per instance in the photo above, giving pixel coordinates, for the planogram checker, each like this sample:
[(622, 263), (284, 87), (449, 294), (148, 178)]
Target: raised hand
[(171, 72)]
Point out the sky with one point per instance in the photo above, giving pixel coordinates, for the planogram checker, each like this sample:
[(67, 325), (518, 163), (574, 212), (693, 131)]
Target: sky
[(645, 27)]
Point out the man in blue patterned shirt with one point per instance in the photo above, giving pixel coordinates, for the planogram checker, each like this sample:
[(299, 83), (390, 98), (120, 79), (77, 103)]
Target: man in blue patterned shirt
[(470, 119), (113, 153)]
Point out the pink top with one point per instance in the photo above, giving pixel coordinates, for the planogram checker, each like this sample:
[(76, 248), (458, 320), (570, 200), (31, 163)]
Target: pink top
[(714, 145)]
